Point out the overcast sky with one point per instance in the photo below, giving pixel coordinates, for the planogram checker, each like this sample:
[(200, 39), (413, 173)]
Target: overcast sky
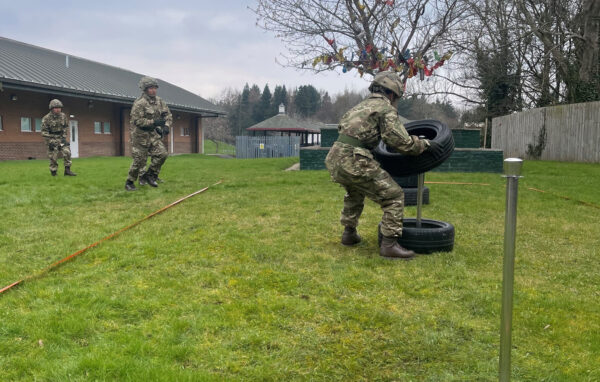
[(202, 46)]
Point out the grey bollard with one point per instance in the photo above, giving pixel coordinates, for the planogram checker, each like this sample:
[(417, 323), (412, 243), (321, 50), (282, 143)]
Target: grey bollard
[(512, 173), (420, 188)]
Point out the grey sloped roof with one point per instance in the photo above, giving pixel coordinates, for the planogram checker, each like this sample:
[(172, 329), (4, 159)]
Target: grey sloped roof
[(31, 66), (282, 122)]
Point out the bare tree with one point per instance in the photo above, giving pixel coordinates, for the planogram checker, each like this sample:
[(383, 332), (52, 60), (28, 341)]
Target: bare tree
[(568, 31), (218, 131), (368, 36)]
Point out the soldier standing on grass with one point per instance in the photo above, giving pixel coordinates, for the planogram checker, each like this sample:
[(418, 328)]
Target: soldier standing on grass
[(352, 165), (150, 120), (54, 130)]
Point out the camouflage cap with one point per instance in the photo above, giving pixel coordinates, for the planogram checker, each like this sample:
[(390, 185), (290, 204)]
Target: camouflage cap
[(147, 82), (55, 103), (390, 81)]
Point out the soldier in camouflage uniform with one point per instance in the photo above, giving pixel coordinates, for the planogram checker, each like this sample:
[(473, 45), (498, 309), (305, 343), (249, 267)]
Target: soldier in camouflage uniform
[(54, 130), (352, 165), (150, 120)]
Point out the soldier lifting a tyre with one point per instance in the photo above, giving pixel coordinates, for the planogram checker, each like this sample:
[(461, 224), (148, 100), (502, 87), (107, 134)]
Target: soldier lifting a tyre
[(351, 163)]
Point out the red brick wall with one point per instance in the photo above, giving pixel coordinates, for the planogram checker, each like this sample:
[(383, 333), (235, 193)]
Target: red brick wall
[(23, 150), (86, 113), (126, 132), (15, 144), (191, 143)]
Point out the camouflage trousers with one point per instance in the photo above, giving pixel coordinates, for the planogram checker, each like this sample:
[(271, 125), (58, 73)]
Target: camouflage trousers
[(56, 148), (361, 176), (141, 148)]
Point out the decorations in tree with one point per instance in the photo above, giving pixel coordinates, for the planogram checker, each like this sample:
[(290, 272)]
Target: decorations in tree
[(372, 59)]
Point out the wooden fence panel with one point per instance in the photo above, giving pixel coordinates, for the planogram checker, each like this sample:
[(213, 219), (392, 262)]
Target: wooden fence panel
[(571, 133)]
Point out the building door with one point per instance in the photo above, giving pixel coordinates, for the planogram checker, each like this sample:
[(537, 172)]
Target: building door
[(74, 139)]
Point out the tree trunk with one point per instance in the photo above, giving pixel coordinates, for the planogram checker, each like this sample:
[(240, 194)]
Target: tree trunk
[(590, 27)]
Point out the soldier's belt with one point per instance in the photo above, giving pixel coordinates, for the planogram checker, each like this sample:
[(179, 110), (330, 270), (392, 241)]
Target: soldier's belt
[(351, 141)]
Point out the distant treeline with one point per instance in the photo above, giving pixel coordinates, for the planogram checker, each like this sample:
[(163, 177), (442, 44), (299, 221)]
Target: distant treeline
[(251, 105)]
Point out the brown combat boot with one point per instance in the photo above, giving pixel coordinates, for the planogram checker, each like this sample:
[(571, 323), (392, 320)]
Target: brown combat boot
[(68, 172), (350, 236), (392, 249)]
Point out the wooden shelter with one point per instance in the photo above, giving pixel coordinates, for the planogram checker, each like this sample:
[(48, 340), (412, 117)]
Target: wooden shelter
[(282, 124)]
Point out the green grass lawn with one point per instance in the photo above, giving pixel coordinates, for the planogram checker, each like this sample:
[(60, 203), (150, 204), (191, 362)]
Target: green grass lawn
[(248, 281), (210, 147)]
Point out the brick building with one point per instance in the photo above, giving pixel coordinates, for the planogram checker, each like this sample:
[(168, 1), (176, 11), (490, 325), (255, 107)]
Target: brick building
[(96, 97)]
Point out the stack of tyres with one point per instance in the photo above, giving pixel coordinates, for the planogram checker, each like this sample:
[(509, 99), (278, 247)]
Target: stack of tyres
[(410, 186), (432, 235)]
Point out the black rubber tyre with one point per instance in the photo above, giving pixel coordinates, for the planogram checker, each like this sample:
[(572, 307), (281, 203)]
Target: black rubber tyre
[(410, 196), (433, 236), (407, 181), (397, 164)]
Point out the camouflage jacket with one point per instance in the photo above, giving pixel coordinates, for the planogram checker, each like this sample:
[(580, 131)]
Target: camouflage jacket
[(55, 126), (375, 118), (145, 110)]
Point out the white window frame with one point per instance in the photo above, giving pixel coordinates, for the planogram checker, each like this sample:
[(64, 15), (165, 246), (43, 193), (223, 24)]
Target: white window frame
[(97, 130), (0, 123), (183, 131), (23, 119), (104, 129), (35, 123)]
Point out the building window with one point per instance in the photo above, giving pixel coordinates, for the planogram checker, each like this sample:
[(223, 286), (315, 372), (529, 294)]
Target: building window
[(26, 124), (185, 131), (38, 125), (106, 127), (0, 123), (97, 127)]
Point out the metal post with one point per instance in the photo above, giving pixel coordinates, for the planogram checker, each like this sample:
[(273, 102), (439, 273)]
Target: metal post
[(420, 186), (485, 133), (512, 172)]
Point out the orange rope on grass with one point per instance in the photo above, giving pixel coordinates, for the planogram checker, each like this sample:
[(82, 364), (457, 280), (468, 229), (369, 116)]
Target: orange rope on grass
[(71, 256), (564, 197), (460, 183)]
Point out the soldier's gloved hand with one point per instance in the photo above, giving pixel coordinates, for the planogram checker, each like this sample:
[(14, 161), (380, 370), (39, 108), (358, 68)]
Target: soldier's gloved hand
[(433, 146), (159, 122), (158, 130), (64, 142), (166, 130)]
